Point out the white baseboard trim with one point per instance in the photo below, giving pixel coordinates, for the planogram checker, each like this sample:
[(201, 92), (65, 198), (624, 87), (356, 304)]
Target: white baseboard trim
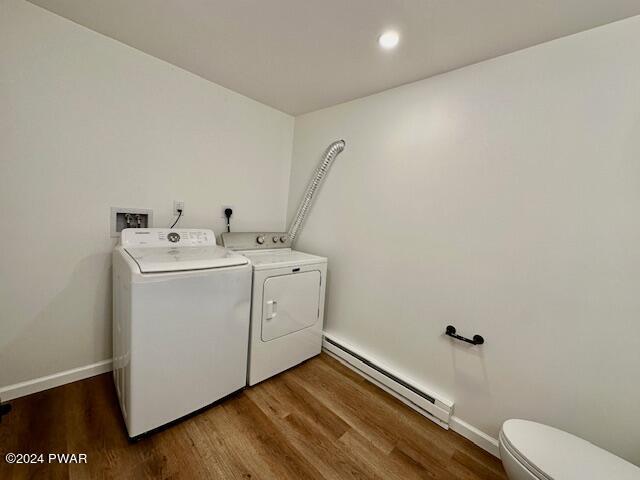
[(21, 389), (478, 437)]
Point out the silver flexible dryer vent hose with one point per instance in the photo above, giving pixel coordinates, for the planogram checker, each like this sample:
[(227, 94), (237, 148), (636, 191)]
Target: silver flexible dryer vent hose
[(307, 200)]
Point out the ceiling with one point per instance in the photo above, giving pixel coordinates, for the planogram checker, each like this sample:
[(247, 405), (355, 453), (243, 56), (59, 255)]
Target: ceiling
[(303, 55)]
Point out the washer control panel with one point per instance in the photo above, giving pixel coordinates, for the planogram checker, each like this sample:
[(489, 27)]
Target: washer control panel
[(162, 237), (255, 240)]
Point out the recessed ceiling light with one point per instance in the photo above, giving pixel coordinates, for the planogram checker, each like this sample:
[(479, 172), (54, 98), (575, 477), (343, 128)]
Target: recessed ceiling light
[(389, 40)]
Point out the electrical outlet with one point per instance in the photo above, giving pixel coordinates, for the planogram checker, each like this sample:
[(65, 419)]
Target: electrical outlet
[(178, 205), (224, 207)]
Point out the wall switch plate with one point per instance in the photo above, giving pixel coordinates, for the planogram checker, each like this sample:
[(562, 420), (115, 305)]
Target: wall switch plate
[(178, 205)]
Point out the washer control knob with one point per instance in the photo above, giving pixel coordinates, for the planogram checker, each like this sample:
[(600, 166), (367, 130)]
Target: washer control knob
[(275, 239), (283, 239), (260, 239)]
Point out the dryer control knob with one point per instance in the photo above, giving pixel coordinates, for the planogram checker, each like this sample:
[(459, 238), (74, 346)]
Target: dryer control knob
[(260, 239), (275, 239), (283, 238)]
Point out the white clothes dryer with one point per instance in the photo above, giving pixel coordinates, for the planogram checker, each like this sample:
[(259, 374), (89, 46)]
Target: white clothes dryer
[(287, 304)]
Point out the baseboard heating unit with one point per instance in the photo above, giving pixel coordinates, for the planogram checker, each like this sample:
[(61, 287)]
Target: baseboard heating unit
[(429, 404)]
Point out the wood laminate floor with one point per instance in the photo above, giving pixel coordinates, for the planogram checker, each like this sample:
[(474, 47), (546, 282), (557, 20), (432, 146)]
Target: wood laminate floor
[(319, 420)]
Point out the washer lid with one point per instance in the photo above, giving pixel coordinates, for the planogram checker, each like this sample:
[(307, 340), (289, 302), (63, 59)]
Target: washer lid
[(554, 454), (282, 257), (174, 259)]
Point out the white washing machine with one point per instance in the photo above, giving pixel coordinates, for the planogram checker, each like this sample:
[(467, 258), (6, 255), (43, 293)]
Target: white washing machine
[(181, 308), (287, 305)]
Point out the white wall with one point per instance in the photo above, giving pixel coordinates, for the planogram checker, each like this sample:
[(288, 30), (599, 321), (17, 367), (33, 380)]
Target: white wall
[(502, 198), (87, 123)]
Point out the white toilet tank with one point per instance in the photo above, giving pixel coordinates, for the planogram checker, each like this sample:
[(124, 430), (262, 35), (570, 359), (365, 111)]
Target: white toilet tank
[(533, 451)]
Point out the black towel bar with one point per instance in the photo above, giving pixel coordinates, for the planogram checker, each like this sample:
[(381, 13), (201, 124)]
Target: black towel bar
[(476, 340)]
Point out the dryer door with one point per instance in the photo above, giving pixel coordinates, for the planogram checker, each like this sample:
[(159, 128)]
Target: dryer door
[(290, 303)]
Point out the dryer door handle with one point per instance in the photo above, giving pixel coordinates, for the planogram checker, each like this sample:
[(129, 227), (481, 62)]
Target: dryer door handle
[(272, 309)]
